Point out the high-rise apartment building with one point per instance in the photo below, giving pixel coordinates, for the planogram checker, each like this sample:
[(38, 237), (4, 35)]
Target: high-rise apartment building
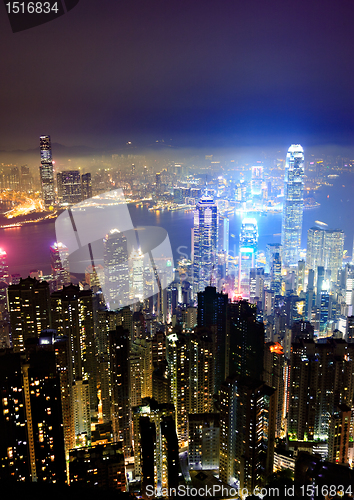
[(273, 376), (212, 314), (244, 340), (247, 429), (204, 243), (119, 348), (321, 378), (99, 466), (156, 460), (46, 171), (204, 441), (59, 261), (72, 316), (178, 357), (69, 187), (30, 311), (14, 459), (293, 205)]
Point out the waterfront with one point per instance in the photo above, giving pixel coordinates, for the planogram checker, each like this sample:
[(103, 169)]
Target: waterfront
[(27, 246)]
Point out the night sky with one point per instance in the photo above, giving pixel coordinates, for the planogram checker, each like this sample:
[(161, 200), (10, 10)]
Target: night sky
[(190, 72)]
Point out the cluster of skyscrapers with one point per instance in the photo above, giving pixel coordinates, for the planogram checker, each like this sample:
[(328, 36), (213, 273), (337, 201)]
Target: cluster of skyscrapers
[(246, 365), (72, 187)]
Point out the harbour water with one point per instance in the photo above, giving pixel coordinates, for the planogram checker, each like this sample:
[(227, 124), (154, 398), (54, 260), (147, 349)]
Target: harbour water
[(27, 246)]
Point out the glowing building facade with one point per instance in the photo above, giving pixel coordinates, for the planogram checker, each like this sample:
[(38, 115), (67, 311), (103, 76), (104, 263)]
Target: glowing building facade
[(59, 260), (205, 243), (4, 268), (46, 171), (247, 252), (325, 249), (116, 269), (293, 205), (257, 180)]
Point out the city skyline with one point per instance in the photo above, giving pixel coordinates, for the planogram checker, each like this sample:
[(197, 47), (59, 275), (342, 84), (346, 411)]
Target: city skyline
[(177, 249)]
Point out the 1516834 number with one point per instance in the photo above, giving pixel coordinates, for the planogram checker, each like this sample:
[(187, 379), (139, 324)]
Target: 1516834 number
[(325, 490), (32, 7)]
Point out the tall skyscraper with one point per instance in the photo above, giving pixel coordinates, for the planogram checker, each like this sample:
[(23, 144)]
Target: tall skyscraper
[(46, 171), (69, 187), (271, 250), (333, 246), (325, 249), (247, 254), (205, 243), (257, 179), (4, 268), (247, 429), (293, 205), (86, 186), (156, 458), (72, 316), (321, 378), (212, 314), (120, 383), (223, 245), (275, 274), (244, 340), (116, 269), (59, 260)]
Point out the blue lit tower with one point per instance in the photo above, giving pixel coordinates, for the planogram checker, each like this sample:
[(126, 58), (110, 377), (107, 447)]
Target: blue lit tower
[(248, 248), (293, 205), (205, 243), (46, 171), (257, 180)]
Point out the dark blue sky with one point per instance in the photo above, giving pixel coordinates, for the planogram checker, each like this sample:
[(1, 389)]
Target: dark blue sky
[(231, 73)]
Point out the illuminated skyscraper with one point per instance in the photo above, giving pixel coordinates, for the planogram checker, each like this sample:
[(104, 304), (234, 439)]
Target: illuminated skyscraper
[(325, 249), (59, 260), (136, 274), (257, 179), (333, 246), (223, 245), (4, 268), (46, 171), (247, 429), (29, 307), (119, 347), (205, 243), (72, 316), (293, 205), (69, 187), (314, 248), (212, 314), (86, 186), (321, 378), (275, 273), (116, 269), (248, 248)]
